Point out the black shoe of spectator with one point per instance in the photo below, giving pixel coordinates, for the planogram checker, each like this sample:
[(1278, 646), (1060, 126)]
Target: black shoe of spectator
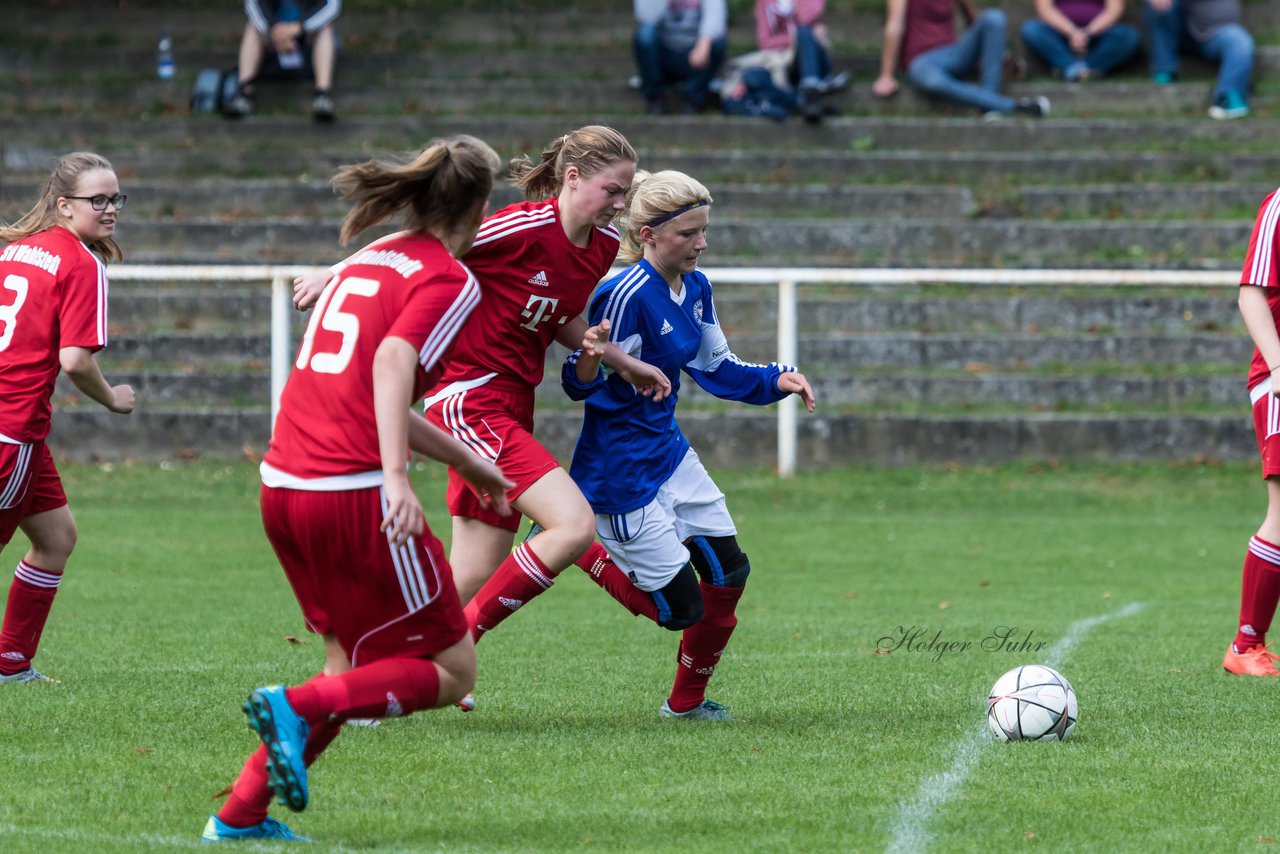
[(1037, 107), (654, 107), (239, 106), (811, 104), (322, 108)]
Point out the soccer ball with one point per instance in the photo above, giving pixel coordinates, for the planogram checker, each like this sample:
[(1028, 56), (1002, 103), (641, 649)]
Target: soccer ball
[(1032, 703)]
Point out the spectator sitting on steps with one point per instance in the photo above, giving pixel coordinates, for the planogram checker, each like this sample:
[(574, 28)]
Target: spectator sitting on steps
[(920, 36), (681, 42), (290, 35), (1212, 29), (1080, 39), (796, 26)]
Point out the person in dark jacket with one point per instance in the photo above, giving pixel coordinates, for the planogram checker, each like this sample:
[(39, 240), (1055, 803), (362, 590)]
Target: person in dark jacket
[(292, 34)]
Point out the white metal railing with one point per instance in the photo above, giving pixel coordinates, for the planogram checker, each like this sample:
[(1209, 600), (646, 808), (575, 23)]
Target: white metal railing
[(785, 279)]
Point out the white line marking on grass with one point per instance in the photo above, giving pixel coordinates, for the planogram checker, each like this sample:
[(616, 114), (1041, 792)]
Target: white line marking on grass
[(101, 841), (910, 831), (96, 839)]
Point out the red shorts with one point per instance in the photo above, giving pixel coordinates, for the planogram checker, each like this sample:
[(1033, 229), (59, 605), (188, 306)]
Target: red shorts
[(29, 484), (1266, 427), (379, 600), (494, 420)]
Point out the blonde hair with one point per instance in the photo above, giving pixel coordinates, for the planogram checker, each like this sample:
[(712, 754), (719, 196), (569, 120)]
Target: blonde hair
[(63, 181), (652, 197), (592, 149), (439, 187)]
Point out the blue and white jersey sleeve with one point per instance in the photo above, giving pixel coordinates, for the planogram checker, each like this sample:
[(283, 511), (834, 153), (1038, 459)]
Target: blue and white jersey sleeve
[(575, 388), (717, 370)]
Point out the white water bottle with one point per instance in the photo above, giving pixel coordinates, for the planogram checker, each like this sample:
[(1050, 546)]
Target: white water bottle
[(164, 58)]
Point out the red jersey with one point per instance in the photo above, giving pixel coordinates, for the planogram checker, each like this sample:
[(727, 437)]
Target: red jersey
[(929, 24), (406, 286), (1260, 269), (535, 280), (53, 294)]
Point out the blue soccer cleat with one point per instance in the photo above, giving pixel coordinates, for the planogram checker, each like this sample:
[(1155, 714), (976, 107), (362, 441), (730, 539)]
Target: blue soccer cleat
[(28, 675), (707, 710), (215, 830), (284, 734)]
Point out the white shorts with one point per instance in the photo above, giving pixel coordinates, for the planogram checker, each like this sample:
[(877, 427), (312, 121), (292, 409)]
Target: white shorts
[(648, 544)]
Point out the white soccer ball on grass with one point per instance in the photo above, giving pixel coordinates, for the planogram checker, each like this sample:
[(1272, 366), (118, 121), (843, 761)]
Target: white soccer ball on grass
[(1032, 702)]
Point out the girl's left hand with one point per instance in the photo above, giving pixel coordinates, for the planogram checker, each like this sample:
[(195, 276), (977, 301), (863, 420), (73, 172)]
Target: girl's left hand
[(307, 289), (596, 340), (404, 517), (793, 382)]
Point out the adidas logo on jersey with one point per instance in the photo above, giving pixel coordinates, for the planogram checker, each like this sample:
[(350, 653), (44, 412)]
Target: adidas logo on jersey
[(513, 604), (666, 327), (540, 279)]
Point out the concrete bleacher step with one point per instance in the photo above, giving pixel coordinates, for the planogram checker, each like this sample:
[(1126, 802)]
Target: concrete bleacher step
[(865, 391), (869, 391), (313, 200), (28, 145), (736, 166), (727, 439), (986, 310), (435, 97), (755, 241), (212, 349), (1030, 393), (194, 387)]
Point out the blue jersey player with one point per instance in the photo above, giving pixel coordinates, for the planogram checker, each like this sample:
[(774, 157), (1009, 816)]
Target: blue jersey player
[(670, 548)]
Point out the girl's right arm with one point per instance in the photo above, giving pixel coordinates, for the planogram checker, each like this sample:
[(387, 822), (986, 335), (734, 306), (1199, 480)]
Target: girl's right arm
[(894, 27), (486, 479), (79, 364)]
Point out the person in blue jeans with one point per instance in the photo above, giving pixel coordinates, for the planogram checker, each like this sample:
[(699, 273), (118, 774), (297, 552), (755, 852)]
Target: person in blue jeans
[(1212, 29), (298, 37), (920, 36), (797, 26), (1080, 39), (679, 42)]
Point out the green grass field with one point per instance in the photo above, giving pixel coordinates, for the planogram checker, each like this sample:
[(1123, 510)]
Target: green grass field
[(174, 608)]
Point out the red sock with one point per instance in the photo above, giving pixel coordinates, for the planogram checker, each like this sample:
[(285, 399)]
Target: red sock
[(30, 598), (702, 644), (601, 569), (388, 688), (517, 579), (250, 796), (1259, 593)]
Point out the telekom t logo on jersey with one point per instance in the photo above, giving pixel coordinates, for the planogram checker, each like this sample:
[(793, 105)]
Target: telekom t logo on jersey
[(538, 309)]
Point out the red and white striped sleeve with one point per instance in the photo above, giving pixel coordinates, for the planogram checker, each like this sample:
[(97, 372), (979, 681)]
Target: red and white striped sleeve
[(1260, 261)]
